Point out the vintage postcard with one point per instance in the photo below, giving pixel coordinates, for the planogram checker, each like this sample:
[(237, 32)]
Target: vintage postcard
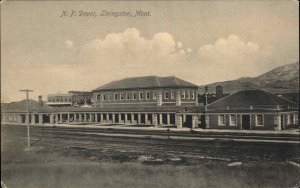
[(128, 94)]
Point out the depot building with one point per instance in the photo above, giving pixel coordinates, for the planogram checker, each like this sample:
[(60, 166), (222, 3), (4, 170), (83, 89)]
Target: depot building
[(166, 102)]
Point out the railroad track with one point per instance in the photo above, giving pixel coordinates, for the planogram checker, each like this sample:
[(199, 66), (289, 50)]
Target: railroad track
[(83, 140), (279, 137)]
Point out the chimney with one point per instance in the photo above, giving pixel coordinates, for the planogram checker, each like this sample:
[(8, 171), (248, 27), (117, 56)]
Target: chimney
[(40, 100), (219, 92)]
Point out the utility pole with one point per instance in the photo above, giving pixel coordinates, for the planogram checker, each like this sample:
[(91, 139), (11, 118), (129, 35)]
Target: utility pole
[(27, 114), (206, 91)]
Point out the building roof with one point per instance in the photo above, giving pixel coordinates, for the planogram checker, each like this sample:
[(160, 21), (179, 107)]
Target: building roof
[(80, 92), (255, 98), (146, 82), (60, 95), (21, 106)]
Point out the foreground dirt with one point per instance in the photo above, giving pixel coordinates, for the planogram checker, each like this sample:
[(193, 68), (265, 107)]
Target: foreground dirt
[(62, 163)]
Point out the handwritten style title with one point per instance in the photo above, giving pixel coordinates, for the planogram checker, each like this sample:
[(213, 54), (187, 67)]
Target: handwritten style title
[(104, 13)]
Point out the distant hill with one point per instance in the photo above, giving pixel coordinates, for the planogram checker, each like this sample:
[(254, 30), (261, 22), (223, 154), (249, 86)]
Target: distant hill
[(283, 79)]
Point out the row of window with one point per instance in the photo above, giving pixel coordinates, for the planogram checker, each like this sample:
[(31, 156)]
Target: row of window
[(59, 100), (259, 120), (145, 95)]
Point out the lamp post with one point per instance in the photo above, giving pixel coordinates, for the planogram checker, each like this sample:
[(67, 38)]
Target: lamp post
[(27, 114)]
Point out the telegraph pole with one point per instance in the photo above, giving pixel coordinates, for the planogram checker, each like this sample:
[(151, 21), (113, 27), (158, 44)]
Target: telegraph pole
[(206, 91), (27, 114)]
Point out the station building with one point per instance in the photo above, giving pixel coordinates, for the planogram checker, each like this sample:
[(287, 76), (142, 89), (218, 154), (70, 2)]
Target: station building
[(146, 91), (166, 102)]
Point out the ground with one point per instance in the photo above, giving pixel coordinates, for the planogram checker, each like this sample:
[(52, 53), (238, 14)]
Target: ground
[(48, 164)]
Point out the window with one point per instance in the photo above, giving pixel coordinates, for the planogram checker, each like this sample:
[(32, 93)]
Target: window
[(259, 120), (134, 96), (188, 94), (154, 95), (104, 97), (147, 95), (221, 120), (192, 95), (70, 100), (293, 119), (116, 96), (81, 101), (127, 96), (109, 96), (290, 119), (140, 96), (232, 120), (172, 95), (183, 94), (166, 95), (98, 97), (121, 96)]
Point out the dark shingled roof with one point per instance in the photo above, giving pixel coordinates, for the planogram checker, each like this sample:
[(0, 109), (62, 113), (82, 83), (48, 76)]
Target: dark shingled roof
[(146, 82), (251, 98)]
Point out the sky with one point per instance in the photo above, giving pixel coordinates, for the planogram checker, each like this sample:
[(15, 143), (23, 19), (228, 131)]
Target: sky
[(199, 41)]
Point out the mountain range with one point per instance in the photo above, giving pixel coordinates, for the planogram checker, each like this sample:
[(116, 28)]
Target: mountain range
[(283, 79)]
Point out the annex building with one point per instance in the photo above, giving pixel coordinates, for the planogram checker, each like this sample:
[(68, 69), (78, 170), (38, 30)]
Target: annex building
[(165, 102)]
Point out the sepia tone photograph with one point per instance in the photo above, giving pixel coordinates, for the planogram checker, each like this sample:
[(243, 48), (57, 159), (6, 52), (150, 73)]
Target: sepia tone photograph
[(144, 94)]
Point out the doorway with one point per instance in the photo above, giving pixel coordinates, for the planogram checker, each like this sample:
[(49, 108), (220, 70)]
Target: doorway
[(282, 122), (202, 124), (246, 122), (188, 121)]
